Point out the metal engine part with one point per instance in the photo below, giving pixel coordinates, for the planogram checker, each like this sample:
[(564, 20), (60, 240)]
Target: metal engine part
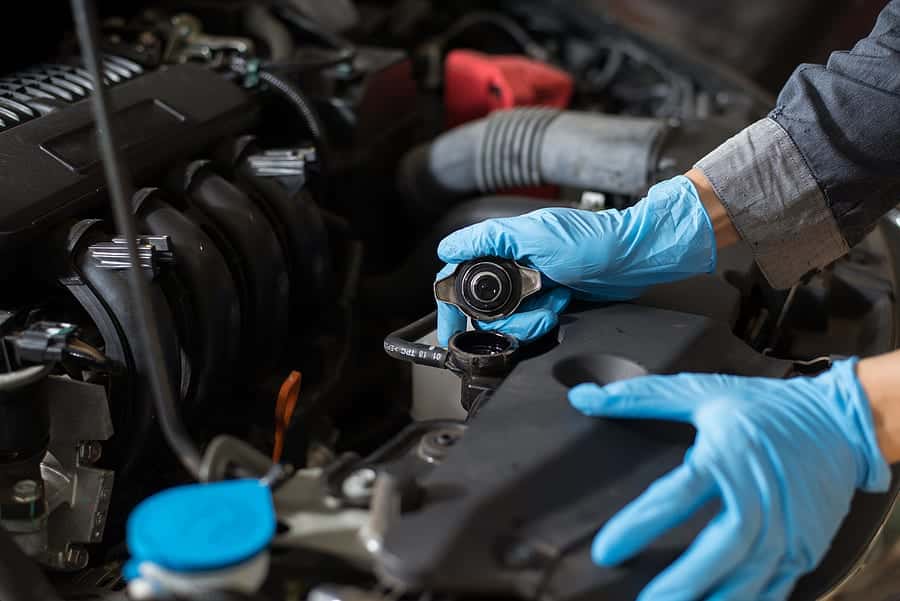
[(67, 505), (77, 492), (280, 237)]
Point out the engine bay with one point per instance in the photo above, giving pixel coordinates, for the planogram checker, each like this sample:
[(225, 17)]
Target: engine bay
[(295, 164)]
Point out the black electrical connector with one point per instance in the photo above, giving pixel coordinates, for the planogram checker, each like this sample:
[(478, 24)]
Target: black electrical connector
[(49, 343), (85, 16)]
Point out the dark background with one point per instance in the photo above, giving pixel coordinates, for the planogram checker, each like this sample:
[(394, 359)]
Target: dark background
[(763, 39)]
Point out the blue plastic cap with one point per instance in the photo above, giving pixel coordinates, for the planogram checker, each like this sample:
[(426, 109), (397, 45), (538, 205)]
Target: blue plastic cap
[(202, 527)]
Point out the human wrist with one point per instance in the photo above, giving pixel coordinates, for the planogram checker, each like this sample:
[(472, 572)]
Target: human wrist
[(852, 410), (726, 234)]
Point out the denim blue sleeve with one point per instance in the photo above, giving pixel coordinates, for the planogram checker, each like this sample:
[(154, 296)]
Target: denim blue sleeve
[(845, 119), (809, 181)]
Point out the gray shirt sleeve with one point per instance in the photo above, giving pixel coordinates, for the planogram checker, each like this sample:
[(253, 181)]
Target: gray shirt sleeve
[(809, 181)]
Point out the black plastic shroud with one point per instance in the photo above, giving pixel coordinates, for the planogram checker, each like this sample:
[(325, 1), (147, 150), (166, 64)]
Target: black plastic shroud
[(51, 169)]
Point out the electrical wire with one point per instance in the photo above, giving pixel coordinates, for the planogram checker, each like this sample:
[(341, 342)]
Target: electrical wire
[(501, 22), (81, 353), (85, 16), (298, 99)]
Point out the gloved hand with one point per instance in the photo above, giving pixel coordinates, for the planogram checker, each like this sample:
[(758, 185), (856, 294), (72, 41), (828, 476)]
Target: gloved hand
[(606, 256), (784, 456)]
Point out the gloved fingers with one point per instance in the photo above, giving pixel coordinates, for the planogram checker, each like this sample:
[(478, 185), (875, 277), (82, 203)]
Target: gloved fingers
[(649, 397), (494, 237), (665, 504), (450, 321), (749, 580), (537, 316), (445, 271), (716, 551), (780, 587)]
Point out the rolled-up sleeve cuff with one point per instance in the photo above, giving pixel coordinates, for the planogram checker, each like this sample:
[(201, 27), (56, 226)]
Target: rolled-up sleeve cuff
[(775, 203)]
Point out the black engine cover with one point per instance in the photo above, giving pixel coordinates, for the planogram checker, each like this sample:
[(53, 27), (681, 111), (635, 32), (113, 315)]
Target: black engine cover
[(514, 507), (50, 167)]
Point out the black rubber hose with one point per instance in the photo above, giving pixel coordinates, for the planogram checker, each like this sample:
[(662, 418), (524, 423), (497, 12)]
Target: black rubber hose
[(289, 92), (86, 25), (531, 147), (499, 21), (20, 578), (311, 27), (263, 25), (23, 377), (399, 344)]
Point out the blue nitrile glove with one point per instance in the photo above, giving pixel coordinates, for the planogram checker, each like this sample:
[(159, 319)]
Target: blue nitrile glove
[(606, 256), (784, 457)]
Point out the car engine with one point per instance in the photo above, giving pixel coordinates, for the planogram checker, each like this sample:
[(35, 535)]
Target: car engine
[(295, 164)]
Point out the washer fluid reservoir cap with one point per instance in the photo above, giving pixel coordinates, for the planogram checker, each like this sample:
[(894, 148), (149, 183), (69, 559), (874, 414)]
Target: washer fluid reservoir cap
[(202, 527)]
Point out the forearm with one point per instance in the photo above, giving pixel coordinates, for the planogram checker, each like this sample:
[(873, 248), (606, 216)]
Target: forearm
[(880, 378), (810, 180)]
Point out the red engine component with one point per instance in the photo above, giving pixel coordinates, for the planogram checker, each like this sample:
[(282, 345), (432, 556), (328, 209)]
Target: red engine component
[(477, 84)]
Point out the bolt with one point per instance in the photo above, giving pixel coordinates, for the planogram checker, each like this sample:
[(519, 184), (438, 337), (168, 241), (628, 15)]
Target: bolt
[(76, 557), (26, 491), (358, 485), (89, 452), (445, 439)]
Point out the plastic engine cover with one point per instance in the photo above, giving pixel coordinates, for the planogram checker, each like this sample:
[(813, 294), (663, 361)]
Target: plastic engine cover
[(514, 507)]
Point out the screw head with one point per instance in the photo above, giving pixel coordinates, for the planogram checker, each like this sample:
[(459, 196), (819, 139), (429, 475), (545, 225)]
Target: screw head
[(435, 445), (89, 452), (26, 491)]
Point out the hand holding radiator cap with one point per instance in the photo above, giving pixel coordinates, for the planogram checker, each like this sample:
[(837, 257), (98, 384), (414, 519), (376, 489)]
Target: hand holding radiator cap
[(607, 256)]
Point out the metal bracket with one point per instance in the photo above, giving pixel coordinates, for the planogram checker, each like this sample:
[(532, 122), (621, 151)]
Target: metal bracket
[(288, 162), (153, 252), (317, 521), (188, 42), (78, 494)]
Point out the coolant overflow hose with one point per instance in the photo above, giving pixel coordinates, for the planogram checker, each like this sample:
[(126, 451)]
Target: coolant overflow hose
[(399, 344)]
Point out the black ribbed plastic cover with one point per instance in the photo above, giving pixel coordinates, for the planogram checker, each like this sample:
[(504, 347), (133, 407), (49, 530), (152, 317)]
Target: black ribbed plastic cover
[(49, 165)]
